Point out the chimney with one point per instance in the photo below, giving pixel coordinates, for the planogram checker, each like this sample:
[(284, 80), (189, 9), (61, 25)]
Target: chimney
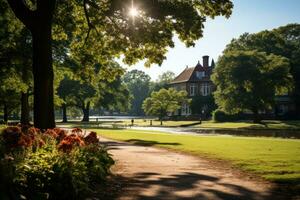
[(205, 61)]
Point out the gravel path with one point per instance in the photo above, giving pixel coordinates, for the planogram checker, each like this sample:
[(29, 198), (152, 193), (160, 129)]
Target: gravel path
[(148, 173)]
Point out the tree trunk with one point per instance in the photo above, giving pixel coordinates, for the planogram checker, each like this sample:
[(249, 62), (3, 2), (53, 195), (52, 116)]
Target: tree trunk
[(5, 113), (39, 22), (86, 112), (64, 110), (25, 109), (43, 77)]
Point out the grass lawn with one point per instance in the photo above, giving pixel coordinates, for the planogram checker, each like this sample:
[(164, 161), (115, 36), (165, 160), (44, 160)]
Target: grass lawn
[(267, 124), (272, 158), (155, 122)]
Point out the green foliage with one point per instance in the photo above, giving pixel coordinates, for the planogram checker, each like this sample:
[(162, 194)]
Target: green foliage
[(148, 36), (138, 83), (249, 80), (100, 88), (221, 116), (163, 81), (46, 172), (89, 31), (203, 103), (283, 41), (164, 101)]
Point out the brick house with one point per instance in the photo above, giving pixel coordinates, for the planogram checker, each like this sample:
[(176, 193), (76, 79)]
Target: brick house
[(196, 81)]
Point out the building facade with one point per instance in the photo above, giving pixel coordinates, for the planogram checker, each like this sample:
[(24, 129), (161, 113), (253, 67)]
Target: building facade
[(196, 81)]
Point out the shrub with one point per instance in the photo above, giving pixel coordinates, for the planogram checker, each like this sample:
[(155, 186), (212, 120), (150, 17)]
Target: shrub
[(50, 165), (221, 116)]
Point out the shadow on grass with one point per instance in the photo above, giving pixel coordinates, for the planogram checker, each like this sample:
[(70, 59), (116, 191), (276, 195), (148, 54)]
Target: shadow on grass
[(151, 143), (191, 124), (187, 186)]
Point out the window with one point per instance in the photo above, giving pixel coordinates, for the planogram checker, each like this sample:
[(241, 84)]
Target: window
[(192, 89), (200, 75), (205, 89), (186, 110)]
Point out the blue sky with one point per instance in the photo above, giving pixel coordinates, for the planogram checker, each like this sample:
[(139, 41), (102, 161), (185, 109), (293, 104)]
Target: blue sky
[(248, 16)]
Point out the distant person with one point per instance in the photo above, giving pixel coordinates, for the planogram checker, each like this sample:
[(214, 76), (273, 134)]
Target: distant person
[(151, 122), (132, 121)]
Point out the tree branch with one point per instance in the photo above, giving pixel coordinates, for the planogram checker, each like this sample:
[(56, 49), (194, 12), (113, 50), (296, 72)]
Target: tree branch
[(22, 12), (87, 19)]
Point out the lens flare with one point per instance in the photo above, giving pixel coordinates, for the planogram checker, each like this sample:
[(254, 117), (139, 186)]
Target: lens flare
[(133, 12)]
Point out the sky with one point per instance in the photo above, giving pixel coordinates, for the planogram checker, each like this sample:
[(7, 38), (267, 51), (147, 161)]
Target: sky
[(248, 16)]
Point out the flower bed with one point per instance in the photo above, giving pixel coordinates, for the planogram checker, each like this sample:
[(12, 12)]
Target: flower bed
[(53, 164)]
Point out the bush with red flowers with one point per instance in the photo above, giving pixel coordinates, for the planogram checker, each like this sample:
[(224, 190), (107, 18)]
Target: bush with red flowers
[(52, 164), (69, 142)]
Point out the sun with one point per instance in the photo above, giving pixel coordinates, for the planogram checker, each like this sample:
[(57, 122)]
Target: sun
[(133, 12)]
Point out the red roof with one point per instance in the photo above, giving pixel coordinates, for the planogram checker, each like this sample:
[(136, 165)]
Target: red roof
[(189, 75)]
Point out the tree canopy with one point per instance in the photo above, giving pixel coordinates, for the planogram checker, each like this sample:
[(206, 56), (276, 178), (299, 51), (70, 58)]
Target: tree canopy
[(164, 102), (163, 80), (283, 41), (249, 80), (138, 83)]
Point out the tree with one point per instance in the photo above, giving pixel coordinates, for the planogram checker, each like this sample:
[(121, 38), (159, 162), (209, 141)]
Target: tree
[(114, 96), (65, 92), (283, 41), (163, 81), (249, 80), (203, 105), (15, 48), (101, 86), (11, 86), (164, 101), (138, 83), (117, 33)]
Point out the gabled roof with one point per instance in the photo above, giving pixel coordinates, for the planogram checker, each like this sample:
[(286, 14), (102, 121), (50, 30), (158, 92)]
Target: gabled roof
[(184, 76), (189, 75)]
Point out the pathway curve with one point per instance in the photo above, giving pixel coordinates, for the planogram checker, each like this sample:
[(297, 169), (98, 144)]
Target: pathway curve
[(149, 173)]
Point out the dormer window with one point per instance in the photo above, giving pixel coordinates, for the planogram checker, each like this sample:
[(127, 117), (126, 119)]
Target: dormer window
[(200, 75)]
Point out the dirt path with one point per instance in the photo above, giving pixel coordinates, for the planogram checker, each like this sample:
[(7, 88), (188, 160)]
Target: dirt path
[(149, 173)]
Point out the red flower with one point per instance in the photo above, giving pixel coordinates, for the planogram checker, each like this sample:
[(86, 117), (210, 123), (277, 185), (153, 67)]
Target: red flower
[(77, 131), (25, 140), (70, 141), (52, 133), (91, 138), (61, 134)]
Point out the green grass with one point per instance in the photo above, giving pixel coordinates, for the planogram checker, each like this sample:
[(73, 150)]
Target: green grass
[(267, 124), (272, 158), (146, 122)]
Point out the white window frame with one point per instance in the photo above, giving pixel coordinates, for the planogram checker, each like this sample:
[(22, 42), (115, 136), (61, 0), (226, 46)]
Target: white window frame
[(193, 89), (205, 89)]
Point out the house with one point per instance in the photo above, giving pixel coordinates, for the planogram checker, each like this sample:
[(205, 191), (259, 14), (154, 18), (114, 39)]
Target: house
[(196, 81)]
